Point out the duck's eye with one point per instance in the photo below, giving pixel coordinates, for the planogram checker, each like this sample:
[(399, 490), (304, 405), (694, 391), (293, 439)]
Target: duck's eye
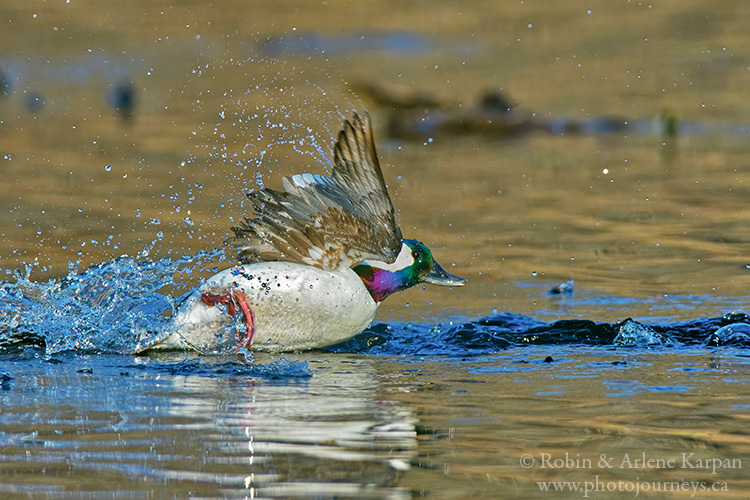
[(417, 254)]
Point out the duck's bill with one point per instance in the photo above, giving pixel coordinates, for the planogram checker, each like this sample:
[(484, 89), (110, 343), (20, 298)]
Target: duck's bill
[(439, 276)]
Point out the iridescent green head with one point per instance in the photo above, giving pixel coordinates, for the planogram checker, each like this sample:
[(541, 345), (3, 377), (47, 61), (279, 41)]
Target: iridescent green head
[(413, 265)]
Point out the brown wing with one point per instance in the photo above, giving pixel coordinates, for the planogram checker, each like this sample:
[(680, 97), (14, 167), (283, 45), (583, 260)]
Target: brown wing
[(322, 221)]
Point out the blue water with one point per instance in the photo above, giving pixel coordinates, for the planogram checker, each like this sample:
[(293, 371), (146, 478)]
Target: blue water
[(113, 306)]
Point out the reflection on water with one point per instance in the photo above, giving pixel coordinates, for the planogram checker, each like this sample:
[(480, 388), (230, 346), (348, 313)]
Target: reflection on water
[(376, 428), (136, 128), (587, 404), (88, 425)]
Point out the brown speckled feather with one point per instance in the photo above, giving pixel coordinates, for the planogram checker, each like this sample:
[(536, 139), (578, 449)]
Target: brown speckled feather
[(327, 222)]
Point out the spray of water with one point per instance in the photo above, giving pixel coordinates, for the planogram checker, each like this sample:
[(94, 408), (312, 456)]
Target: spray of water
[(266, 118), (107, 308)]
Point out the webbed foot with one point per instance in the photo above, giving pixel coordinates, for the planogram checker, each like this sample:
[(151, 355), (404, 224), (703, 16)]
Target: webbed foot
[(234, 300)]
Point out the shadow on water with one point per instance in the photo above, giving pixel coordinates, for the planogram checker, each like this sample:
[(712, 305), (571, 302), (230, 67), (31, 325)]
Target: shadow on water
[(507, 330)]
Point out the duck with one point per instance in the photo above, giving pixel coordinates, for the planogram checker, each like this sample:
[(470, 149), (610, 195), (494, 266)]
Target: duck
[(315, 261)]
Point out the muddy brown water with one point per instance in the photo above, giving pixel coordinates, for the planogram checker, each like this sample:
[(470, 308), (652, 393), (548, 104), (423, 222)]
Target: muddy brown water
[(648, 225)]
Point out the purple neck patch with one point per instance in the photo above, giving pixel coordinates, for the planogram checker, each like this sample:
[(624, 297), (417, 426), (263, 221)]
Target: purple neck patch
[(379, 282)]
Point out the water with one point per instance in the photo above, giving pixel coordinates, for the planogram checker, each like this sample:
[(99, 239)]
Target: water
[(353, 426), (130, 133)]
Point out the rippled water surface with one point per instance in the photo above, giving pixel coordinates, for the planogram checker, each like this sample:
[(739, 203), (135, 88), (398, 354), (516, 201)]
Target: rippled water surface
[(131, 131)]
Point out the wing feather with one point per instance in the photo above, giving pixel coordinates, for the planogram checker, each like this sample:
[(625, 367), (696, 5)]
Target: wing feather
[(328, 222)]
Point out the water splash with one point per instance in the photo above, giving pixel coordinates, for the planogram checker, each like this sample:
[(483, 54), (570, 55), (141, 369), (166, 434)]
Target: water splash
[(273, 116), (115, 306), (106, 308), (269, 116), (504, 331)]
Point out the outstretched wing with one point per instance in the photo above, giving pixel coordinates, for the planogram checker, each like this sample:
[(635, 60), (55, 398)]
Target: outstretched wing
[(328, 222)]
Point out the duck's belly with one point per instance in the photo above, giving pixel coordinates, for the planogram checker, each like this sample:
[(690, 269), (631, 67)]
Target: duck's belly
[(294, 307)]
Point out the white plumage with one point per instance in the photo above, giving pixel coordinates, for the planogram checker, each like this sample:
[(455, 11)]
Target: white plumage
[(295, 307), (297, 288)]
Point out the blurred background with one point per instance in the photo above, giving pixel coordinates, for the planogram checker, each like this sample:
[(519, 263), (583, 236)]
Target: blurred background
[(527, 143)]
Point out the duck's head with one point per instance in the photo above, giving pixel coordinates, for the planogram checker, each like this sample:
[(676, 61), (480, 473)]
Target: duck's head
[(413, 265)]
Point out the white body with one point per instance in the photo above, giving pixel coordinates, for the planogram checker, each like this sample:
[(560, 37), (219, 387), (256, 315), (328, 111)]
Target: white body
[(294, 307)]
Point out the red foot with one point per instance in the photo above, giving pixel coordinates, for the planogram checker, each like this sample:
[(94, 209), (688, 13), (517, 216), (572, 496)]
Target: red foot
[(233, 299)]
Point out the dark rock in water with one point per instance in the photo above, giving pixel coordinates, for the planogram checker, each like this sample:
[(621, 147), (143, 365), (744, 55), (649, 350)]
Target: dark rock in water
[(736, 334), (563, 288), (549, 359), (632, 333)]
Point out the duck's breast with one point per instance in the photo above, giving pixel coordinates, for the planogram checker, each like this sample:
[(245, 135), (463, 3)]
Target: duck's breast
[(294, 306)]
